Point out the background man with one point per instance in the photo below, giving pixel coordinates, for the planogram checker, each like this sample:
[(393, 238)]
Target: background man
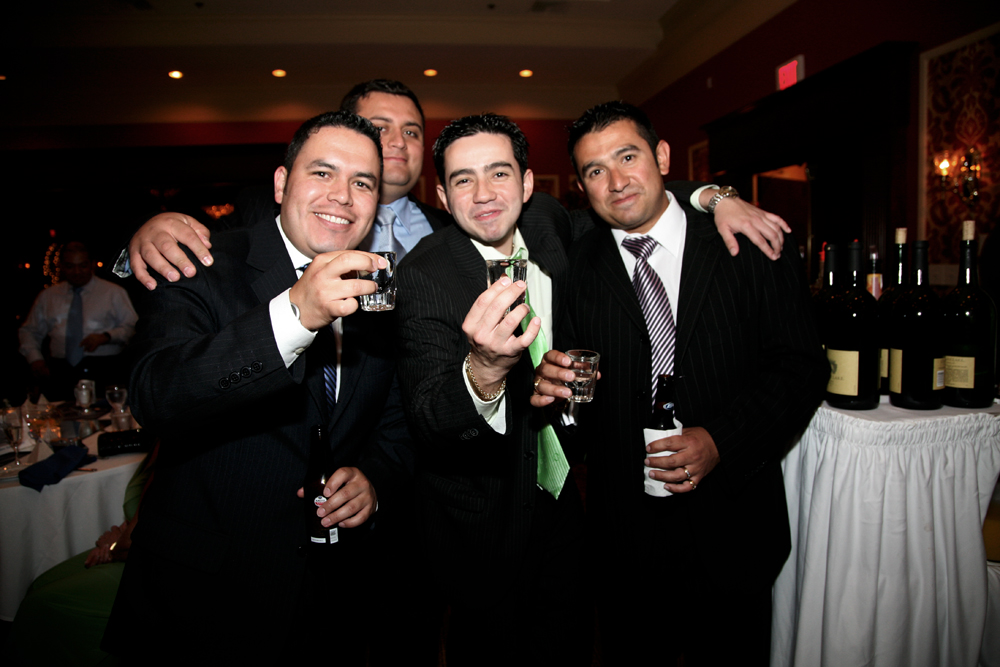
[(89, 322), (233, 369), (739, 338), (402, 221)]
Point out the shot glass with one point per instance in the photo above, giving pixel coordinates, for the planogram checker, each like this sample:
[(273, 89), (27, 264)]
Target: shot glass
[(583, 363), (385, 297), (515, 269)]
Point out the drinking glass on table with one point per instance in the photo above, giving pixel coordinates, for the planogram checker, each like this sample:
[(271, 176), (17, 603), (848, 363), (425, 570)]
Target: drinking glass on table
[(384, 297), (42, 424), (583, 363), (12, 430), (84, 393), (116, 396), (512, 267)]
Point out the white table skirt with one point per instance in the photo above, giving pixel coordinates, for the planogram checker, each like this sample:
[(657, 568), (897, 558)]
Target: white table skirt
[(41, 529), (888, 567)]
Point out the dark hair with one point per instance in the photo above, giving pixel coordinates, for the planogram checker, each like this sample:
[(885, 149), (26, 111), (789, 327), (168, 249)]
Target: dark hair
[(389, 86), (486, 123), (599, 117), (345, 119)]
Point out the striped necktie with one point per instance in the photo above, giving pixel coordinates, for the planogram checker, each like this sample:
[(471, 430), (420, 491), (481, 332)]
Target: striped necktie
[(74, 328), (330, 368), (655, 306)]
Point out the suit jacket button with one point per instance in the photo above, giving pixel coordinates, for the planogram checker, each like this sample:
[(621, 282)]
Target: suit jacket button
[(234, 377), (245, 371), (224, 383), (471, 433), (256, 367)]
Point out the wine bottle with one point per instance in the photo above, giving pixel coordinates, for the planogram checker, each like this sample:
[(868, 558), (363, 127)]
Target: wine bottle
[(898, 277), (320, 467), (662, 424), (830, 286), (916, 355), (970, 326), (849, 335)]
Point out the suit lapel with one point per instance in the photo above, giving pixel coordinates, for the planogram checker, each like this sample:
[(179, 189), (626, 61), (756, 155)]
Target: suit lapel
[(702, 250), (352, 363), (607, 261), (269, 260), (469, 264)]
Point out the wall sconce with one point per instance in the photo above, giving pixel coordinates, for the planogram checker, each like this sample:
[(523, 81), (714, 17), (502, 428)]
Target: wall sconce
[(959, 173)]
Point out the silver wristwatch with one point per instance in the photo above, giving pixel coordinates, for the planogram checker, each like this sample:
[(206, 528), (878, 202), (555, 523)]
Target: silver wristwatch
[(724, 191)]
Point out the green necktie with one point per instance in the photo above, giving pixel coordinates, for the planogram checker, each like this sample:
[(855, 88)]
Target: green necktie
[(552, 464)]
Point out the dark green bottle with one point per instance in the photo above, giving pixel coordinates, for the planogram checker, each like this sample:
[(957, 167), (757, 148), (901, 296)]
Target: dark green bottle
[(970, 334), (916, 355), (896, 280), (850, 335)]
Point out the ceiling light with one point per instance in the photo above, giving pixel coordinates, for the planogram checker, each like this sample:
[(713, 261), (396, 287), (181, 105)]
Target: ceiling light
[(176, 74), (3, 77), (525, 73), (279, 73), (430, 72)]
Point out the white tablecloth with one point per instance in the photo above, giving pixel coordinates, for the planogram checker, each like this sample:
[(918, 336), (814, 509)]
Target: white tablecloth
[(40, 530), (888, 566)]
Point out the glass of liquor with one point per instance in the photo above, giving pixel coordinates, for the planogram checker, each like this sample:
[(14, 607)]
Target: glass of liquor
[(11, 418), (512, 267), (384, 297), (583, 363)]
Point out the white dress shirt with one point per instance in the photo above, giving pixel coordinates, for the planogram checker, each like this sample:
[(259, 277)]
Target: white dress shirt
[(106, 309), (292, 338)]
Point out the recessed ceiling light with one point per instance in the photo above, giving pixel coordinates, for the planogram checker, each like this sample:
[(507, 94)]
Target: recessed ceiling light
[(279, 73), (176, 74), (430, 72), (525, 73), (3, 77)]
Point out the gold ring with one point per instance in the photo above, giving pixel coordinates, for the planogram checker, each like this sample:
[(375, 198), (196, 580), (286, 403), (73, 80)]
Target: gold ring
[(537, 381), (693, 485), (687, 473)]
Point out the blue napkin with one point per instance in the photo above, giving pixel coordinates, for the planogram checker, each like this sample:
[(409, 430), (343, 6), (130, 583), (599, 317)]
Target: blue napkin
[(54, 468)]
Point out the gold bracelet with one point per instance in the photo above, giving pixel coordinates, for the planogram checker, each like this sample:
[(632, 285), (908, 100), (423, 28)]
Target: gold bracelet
[(483, 396)]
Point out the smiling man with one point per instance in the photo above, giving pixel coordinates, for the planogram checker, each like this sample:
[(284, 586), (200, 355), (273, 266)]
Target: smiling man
[(655, 291), (501, 532), (401, 222), (233, 369)]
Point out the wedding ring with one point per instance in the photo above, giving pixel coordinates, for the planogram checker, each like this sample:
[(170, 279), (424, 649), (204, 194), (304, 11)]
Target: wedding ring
[(537, 381), (687, 473), (693, 485)]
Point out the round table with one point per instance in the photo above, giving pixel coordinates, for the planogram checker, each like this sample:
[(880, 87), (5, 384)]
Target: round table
[(887, 567), (41, 529)]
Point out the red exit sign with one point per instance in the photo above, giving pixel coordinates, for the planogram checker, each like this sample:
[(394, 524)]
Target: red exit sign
[(791, 72)]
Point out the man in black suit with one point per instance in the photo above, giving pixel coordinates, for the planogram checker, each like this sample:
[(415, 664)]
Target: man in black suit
[(402, 220), (506, 552), (749, 373), (233, 369)]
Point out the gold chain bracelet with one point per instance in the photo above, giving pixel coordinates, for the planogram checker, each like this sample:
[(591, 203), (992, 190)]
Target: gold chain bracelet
[(483, 396)]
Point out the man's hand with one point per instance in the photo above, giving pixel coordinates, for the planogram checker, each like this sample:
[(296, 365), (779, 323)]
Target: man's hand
[(94, 341), (328, 288), (39, 369), (735, 216), (351, 499), (156, 246), (695, 450), (550, 376), (113, 545), (495, 349)]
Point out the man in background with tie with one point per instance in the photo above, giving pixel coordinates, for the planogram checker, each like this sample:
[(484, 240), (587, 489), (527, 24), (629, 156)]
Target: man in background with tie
[(655, 291), (88, 320)]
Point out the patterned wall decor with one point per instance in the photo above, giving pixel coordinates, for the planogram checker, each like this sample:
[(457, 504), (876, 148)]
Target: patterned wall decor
[(963, 109)]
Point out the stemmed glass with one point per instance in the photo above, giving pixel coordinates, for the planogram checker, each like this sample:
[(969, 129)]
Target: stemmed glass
[(12, 429), (40, 423)]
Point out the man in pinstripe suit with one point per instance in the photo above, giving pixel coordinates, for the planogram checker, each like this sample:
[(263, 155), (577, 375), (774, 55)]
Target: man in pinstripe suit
[(749, 374)]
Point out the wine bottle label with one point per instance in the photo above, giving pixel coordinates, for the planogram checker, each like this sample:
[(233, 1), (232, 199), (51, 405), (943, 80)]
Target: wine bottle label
[(895, 371), (939, 373), (960, 372), (843, 372), (883, 363)]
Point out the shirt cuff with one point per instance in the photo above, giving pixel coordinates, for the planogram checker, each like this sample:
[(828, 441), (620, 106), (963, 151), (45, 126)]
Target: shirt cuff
[(292, 338), (492, 411), (697, 194)]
